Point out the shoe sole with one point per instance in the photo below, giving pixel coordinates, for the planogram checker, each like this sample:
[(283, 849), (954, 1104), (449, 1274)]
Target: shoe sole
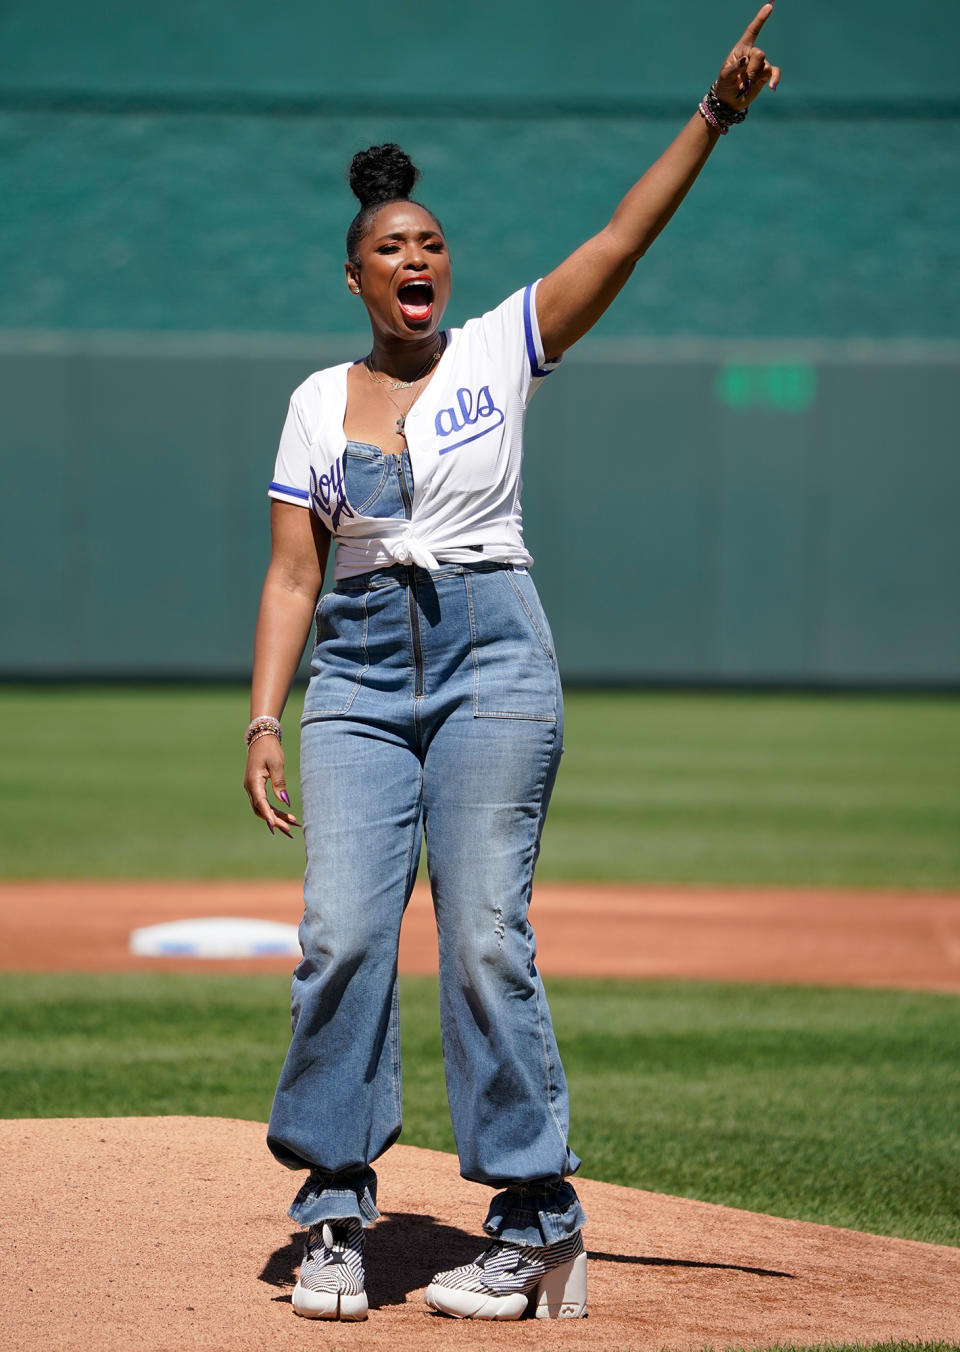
[(328, 1304), (560, 1294)]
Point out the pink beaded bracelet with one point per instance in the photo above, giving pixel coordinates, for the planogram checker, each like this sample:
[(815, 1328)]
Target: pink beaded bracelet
[(709, 118), (718, 114)]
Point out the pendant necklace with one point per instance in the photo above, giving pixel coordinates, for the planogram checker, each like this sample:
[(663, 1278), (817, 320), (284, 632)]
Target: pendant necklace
[(388, 385)]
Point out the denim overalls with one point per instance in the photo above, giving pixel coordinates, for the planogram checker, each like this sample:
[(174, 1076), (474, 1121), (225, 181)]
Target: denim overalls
[(434, 706)]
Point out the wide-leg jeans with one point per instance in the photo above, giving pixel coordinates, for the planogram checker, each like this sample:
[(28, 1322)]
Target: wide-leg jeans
[(434, 708)]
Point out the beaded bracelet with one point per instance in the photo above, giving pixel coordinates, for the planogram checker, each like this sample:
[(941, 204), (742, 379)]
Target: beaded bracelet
[(264, 732), (718, 114), (262, 726)]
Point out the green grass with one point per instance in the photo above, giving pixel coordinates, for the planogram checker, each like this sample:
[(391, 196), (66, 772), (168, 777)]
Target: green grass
[(841, 790), (846, 791), (829, 1105)]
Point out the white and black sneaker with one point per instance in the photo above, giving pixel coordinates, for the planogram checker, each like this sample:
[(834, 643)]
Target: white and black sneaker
[(508, 1280), (331, 1284)]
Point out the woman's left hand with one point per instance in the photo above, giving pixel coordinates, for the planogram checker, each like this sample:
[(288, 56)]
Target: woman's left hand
[(746, 70)]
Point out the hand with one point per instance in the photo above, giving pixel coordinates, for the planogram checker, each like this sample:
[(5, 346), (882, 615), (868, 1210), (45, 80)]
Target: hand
[(746, 70), (265, 762)]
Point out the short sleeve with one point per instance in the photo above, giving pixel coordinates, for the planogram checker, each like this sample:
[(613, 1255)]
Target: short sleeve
[(291, 475), (512, 336)]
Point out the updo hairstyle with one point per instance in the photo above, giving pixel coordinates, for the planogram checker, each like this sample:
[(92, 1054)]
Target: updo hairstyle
[(379, 175)]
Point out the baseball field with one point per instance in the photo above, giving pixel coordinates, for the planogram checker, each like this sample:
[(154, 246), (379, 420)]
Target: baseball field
[(749, 921)]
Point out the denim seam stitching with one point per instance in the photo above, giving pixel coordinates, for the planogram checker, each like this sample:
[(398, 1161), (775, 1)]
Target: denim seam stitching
[(507, 713), (473, 647), (366, 655), (397, 1079), (384, 474), (311, 715), (532, 618), (551, 1090), (317, 616), (395, 1058)]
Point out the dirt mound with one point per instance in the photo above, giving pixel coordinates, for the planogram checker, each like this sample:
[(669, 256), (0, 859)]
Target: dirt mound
[(169, 1235)]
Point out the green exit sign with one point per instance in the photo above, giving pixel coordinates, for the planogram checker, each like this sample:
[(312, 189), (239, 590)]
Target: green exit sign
[(788, 387)]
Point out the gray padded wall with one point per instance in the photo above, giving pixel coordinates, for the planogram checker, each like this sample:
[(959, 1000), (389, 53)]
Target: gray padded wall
[(782, 518)]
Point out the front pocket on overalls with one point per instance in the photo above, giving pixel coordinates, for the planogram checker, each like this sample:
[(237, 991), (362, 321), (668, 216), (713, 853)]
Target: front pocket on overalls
[(515, 673), (340, 657), (371, 482)]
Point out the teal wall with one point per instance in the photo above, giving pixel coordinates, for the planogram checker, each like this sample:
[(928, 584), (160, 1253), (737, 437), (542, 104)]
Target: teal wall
[(182, 166), (756, 443), (622, 49)]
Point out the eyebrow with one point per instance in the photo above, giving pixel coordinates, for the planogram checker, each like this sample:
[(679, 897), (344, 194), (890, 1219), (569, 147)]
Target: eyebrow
[(404, 234)]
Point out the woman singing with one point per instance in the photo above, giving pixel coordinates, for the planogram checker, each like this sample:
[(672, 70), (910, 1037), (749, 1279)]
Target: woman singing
[(434, 708)]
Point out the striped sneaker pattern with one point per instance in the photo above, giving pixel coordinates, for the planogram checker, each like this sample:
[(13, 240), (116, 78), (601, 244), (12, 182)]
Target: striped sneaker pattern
[(507, 1269), (332, 1279)]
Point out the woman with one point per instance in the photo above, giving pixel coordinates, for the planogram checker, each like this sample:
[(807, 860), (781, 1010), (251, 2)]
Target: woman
[(434, 706)]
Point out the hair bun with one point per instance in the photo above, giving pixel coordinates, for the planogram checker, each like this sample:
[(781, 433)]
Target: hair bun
[(382, 174)]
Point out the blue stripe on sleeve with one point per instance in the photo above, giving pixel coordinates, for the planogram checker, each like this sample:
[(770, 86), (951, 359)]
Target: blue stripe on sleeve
[(535, 367), (290, 492)]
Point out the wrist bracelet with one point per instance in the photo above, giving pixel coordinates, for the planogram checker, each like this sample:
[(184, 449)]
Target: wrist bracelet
[(708, 117), (261, 726), (261, 732), (718, 114)]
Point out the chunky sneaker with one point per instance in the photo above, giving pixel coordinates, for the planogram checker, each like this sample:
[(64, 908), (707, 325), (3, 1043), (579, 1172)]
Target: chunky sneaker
[(331, 1276), (508, 1280)]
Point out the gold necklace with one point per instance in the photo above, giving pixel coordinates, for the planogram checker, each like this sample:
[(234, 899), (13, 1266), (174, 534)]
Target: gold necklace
[(388, 385)]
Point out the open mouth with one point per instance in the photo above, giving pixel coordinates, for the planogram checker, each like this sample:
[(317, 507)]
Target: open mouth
[(416, 298)]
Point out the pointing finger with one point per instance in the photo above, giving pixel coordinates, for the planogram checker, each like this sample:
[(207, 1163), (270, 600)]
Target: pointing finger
[(749, 38)]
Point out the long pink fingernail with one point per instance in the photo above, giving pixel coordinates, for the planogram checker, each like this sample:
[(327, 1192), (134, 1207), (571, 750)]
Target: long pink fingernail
[(283, 795), (269, 828)]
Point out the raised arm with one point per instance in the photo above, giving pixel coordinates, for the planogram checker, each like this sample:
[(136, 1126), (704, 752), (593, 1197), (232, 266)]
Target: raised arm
[(300, 544), (572, 298)]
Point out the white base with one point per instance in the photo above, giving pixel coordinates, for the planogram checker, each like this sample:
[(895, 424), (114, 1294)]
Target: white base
[(217, 936)]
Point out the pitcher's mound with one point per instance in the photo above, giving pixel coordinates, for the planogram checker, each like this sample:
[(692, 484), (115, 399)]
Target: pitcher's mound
[(169, 1235)]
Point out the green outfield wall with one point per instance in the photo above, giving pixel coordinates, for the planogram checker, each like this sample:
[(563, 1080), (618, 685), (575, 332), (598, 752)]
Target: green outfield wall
[(756, 449)]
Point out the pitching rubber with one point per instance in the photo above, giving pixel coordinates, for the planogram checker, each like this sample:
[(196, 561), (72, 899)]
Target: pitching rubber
[(560, 1294)]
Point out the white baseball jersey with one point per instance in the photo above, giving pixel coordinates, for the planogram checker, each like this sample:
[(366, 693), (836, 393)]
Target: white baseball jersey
[(465, 440)]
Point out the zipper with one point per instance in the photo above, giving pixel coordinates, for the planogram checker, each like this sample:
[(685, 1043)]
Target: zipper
[(412, 592), (404, 491)]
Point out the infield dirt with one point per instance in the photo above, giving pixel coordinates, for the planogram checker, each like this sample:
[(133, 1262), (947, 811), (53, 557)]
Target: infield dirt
[(759, 934)]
